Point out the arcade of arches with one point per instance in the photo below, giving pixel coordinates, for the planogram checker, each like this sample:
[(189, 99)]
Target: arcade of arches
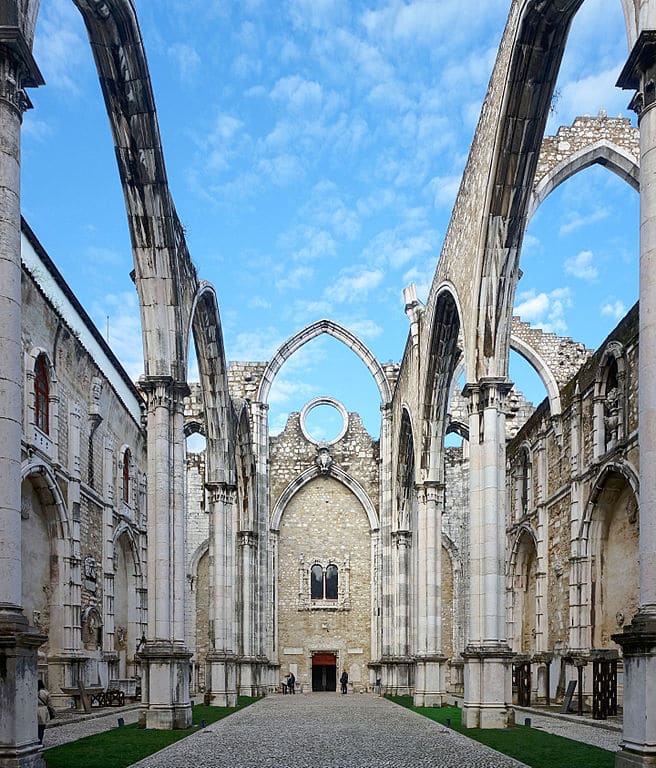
[(127, 561)]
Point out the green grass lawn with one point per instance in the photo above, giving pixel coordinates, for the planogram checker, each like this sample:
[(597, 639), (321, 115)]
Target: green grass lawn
[(533, 747), (121, 747)]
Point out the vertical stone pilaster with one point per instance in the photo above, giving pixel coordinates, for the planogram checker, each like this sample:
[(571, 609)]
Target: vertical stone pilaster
[(487, 697), (18, 642), (164, 656), (638, 640), (385, 584), (430, 689), (221, 672)]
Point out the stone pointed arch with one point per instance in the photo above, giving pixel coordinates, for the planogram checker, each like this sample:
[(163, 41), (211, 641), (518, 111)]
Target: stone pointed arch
[(614, 467), (202, 549), (52, 499), (406, 473), (604, 152), (543, 370), (164, 275), (245, 469), (126, 530), (438, 377), (205, 325), (312, 331), (336, 473)]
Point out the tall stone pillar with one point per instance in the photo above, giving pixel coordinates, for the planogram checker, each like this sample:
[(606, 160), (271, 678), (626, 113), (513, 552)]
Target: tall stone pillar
[(248, 671), (221, 672), (165, 658), (430, 690), (638, 640), (488, 692), (18, 642)]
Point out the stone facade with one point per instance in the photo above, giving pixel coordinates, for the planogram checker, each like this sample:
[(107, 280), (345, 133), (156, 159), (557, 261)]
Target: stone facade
[(84, 515)]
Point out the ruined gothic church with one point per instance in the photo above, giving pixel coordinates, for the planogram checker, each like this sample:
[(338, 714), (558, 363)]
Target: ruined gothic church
[(493, 572)]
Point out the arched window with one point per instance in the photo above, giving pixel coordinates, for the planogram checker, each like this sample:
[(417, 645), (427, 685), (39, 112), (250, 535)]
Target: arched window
[(331, 582), (324, 584), (316, 582), (41, 394), (125, 476)]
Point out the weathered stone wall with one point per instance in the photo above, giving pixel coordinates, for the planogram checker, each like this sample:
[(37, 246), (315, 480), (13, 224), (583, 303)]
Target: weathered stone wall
[(324, 522), (583, 508), (74, 485)]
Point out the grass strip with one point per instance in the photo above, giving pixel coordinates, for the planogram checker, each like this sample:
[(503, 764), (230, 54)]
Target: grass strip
[(536, 748), (120, 747)]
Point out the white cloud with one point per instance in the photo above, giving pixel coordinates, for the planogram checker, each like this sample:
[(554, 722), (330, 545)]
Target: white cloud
[(36, 129), (355, 286), (186, 59), (582, 265), (364, 329), (259, 344), (545, 310), (297, 94), (295, 278), (60, 46), (614, 309), (577, 221), (444, 190)]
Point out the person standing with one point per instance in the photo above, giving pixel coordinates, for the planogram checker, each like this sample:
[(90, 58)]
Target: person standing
[(291, 682), (43, 697), (344, 680)]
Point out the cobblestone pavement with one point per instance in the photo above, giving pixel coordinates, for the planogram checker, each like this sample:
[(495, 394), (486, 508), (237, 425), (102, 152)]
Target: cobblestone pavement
[(570, 729), (60, 734), (326, 730)]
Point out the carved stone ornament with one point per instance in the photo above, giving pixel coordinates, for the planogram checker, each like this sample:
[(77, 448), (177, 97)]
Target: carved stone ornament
[(324, 460)]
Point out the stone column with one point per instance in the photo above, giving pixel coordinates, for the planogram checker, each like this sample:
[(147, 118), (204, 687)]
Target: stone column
[(247, 661), (638, 640), (18, 641), (165, 659), (398, 667), (430, 688), (221, 672), (264, 648), (487, 698)]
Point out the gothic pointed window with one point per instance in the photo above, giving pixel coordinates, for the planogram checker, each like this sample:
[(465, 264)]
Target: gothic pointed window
[(316, 582), (41, 394), (125, 476)]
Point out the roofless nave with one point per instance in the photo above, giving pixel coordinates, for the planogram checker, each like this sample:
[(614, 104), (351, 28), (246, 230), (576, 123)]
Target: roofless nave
[(400, 559)]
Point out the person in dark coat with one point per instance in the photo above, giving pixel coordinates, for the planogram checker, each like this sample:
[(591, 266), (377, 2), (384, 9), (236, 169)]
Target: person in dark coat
[(291, 682), (344, 680)]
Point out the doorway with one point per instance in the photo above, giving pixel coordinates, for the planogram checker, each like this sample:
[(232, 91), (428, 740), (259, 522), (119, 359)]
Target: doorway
[(324, 672)]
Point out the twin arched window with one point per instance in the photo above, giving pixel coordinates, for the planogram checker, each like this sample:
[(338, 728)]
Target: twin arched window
[(41, 394), (324, 583)]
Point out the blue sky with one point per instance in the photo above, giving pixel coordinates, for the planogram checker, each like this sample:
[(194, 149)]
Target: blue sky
[(314, 150)]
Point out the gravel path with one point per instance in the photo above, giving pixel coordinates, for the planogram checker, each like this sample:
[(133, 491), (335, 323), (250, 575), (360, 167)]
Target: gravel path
[(60, 734), (326, 731)]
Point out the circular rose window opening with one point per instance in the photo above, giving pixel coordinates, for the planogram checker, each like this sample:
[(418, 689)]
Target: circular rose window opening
[(324, 420)]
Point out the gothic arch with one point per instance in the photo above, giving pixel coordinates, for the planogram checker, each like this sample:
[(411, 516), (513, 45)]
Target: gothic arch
[(338, 474), (443, 358), (218, 428), (245, 471), (123, 529), (406, 474), (310, 332), (604, 152), (617, 467), (42, 478), (201, 549), (543, 371)]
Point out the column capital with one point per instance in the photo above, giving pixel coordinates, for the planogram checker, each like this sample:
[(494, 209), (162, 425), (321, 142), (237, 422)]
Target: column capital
[(487, 392), (402, 538), (163, 390), (639, 72), (221, 492), (18, 69)]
